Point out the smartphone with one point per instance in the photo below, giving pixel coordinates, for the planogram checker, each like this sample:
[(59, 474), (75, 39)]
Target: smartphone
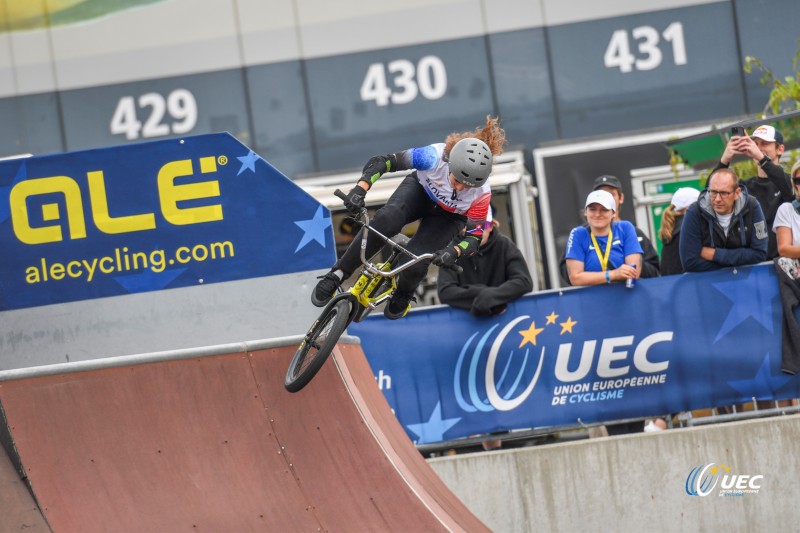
[(737, 131)]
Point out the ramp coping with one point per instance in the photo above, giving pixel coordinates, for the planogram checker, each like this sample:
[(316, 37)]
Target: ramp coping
[(154, 357)]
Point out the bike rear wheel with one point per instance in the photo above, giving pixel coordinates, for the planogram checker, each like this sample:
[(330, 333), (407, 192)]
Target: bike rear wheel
[(317, 345)]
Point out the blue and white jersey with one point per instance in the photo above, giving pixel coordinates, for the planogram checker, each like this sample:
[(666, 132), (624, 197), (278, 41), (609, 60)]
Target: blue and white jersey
[(433, 173)]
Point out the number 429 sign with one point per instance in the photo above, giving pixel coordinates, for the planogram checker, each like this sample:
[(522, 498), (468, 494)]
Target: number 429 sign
[(179, 105)]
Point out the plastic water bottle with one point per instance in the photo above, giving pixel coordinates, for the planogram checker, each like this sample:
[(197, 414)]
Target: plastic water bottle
[(630, 282)]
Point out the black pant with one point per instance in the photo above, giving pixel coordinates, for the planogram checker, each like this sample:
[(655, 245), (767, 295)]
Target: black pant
[(409, 202), (790, 330)]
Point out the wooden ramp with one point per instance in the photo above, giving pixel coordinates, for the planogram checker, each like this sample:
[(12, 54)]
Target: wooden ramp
[(215, 443), (18, 511)]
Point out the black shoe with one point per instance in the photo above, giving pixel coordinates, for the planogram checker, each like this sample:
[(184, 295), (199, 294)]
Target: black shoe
[(398, 305), (325, 289)]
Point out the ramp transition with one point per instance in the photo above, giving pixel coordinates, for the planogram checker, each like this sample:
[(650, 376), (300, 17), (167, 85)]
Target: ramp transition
[(18, 511), (215, 443)]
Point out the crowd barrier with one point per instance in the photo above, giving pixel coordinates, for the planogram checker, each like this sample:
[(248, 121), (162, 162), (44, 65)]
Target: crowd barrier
[(584, 355)]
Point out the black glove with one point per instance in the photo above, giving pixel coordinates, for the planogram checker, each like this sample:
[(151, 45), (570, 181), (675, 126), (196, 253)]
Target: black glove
[(445, 258), (376, 167), (486, 303), (355, 200)]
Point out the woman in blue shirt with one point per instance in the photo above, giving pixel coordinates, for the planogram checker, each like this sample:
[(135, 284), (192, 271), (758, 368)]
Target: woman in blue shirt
[(606, 251)]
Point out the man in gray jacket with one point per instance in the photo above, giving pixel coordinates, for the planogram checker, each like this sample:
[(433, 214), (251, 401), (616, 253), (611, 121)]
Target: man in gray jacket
[(725, 227)]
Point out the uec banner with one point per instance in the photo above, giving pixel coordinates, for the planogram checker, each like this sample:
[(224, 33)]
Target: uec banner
[(584, 355), (151, 216)]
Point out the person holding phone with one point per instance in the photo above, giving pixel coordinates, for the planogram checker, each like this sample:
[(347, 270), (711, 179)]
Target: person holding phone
[(772, 185)]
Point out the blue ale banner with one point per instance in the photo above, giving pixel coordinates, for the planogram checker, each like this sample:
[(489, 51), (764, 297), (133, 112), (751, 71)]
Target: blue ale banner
[(590, 354), (151, 216)]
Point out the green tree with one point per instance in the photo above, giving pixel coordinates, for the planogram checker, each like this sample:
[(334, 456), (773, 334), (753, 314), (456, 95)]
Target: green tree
[(784, 96)]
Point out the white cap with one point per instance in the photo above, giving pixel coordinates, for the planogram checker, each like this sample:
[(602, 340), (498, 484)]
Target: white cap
[(603, 198), (684, 197), (768, 133)]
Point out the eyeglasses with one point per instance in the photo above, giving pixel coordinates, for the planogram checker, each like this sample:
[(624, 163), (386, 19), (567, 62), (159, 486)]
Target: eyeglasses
[(796, 180), (723, 194)]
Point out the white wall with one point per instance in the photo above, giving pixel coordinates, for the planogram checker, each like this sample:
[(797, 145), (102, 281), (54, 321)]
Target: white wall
[(635, 482), (173, 319)]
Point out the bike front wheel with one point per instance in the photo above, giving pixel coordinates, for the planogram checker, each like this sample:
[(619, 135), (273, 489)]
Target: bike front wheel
[(317, 345)]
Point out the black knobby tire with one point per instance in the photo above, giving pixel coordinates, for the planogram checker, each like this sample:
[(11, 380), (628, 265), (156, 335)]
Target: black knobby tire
[(317, 345)]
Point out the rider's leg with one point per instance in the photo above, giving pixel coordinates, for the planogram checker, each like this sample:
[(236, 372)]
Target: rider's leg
[(407, 203), (434, 233)]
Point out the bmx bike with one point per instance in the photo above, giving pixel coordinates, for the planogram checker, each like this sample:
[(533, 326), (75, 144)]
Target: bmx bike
[(374, 286)]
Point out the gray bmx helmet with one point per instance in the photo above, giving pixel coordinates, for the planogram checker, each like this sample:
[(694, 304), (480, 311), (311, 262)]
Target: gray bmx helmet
[(470, 162)]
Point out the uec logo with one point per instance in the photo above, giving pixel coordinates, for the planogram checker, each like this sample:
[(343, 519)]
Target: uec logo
[(702, 480), (518, 376)]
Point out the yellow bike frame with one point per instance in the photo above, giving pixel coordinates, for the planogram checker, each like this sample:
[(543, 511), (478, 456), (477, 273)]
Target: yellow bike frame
[(367, 283)]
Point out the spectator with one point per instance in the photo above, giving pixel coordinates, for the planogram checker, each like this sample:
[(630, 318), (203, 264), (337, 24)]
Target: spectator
[(606, 250), (787, 228), (772, 186), (650, 264), (494, 276), (670, 231), (725, 227), (651, 267)]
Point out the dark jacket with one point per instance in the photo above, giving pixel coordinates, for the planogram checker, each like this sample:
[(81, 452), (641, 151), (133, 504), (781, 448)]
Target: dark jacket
[(745, 243), (670, 255), (491, 278), (770, 192), (651, 266)]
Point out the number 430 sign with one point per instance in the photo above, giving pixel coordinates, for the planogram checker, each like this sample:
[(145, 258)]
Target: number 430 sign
[(427, 78)]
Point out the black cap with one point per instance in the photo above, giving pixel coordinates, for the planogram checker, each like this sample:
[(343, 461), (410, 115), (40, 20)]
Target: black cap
[(607, 180)]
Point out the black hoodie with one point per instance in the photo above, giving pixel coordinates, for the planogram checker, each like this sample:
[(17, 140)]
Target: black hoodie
[(494, 276)]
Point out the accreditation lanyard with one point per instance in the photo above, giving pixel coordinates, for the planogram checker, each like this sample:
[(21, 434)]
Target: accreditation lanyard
[(603, 258)]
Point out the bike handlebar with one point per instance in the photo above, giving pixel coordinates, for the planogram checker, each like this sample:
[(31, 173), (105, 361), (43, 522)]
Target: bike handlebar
[(415, 258)]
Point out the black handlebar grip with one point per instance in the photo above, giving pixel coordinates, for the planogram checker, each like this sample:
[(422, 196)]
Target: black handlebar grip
[(338, 193)]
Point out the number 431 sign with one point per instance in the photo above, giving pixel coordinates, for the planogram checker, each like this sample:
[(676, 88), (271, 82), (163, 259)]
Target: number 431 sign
[(618, 53)]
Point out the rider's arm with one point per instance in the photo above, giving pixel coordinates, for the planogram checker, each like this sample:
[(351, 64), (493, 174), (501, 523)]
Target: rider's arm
[(470, 241), (380, 164), (422, 158)]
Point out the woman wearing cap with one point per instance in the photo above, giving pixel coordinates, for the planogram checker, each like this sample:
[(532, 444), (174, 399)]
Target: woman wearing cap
[(787, 229), (448, 190), (670, 231), (606, 251)]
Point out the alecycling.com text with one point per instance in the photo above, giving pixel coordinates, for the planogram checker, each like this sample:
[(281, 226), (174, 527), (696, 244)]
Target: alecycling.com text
[(123, 260)]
